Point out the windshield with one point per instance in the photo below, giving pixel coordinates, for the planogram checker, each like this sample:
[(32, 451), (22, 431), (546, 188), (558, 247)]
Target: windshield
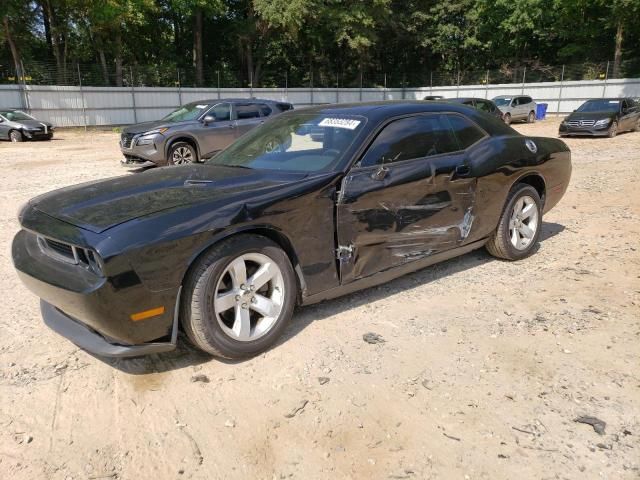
[(16, 115), (502, 102), (191, 111), (294, 142), (600, 106)]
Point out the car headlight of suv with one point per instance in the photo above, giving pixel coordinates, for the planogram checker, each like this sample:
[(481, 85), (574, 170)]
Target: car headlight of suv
[(147, 137), (603, 122)]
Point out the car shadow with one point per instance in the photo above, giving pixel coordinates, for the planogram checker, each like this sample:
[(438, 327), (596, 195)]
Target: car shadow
[(185, 355)]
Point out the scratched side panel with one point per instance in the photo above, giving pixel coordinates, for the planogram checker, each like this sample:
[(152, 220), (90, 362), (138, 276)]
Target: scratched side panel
[(417, 210)]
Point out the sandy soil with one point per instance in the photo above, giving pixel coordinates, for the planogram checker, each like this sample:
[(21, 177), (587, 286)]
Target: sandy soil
[(486, 364)]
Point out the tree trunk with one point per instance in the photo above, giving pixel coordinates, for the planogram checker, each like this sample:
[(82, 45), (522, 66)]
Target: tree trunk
[(198, 61), (58, 43), (105, 69), (47, 28), (14, 49), (617, 56), (118, 58)]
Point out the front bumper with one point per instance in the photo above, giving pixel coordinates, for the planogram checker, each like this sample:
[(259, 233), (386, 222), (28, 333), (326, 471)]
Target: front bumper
[(95, 311), (587, 131), (91, 341), (144, 155)]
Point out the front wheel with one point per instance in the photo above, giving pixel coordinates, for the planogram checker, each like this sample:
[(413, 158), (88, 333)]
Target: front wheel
[(182, 153), (239, 297), (507, 118), (520, 224), (636, 128), (531, 118), (613, 130), (16, 136)]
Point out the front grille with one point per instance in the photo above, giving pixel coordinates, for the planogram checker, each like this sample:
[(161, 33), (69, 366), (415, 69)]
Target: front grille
[(581, 123), (60, 248), (66, 253), (126, 139)]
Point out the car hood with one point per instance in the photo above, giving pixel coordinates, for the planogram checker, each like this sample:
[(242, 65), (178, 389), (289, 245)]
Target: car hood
[(32, 123), (98, 206), (148, 126), (590, 115)]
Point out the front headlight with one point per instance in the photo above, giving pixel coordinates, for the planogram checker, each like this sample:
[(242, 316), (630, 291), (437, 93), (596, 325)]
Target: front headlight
[(146, 137), (603, 122), (155, 132)]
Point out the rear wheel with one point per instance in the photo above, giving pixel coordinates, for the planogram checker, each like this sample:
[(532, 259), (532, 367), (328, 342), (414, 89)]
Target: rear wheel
[(182, 153), (507, 118), (239, 297), (16, 136), (532, 117), (520, 224), (613, 130)]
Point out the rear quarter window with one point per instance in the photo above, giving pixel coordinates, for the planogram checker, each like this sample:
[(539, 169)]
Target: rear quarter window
[(465, 131), (265, 110)]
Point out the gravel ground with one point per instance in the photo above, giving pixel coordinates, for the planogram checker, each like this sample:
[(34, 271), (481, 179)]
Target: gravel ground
[(484, 368)]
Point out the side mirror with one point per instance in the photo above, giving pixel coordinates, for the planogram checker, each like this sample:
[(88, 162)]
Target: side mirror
[(208, 119)]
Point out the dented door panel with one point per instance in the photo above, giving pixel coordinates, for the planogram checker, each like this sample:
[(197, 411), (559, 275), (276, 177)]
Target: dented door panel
[(419, 208)]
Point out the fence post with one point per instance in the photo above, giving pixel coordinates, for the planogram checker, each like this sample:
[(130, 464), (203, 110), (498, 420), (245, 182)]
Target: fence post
[(286, 86), (431, 82), (458, 86), (84, 109), (560, 90), (311, 87), (486, 86), (218, 72), (25, 92), (524, 76), (384, 92), (251, 84), (360, 85), (604, 87), (404, 85), (337, 89), (133, 97), (179, 89)]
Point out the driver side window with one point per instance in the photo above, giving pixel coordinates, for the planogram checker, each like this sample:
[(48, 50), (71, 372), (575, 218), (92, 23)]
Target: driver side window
[(408, 138), (222, 112)]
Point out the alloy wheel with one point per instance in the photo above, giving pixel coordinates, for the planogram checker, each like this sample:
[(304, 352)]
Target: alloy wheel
[(182, 155), (249, 297), (523, 223)]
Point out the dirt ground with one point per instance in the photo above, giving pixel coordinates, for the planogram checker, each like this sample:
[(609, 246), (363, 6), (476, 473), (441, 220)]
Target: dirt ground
[(485, 366)]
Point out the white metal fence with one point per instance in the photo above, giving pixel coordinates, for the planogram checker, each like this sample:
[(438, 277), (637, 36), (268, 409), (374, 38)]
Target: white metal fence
[(69, 106)]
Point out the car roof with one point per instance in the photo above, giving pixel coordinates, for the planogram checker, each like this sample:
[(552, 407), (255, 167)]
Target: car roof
[(380, 111), (237, 100)]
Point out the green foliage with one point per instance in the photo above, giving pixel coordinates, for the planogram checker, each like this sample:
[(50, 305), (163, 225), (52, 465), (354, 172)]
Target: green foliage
[(324, 42)]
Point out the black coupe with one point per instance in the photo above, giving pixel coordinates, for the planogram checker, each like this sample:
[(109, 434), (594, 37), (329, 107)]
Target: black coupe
[(226, 249)]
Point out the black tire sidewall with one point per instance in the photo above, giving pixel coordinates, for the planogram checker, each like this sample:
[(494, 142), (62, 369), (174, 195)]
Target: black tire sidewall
[(507, 119), (215, 335), (521, 190), (531, 118), (177, 145), (19, 136), (611, 133)]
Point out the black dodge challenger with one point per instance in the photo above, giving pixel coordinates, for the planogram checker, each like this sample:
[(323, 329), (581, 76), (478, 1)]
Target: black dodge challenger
[(225, 250)]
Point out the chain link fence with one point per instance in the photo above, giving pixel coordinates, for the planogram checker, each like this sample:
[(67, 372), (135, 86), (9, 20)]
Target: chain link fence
[(223, 76)]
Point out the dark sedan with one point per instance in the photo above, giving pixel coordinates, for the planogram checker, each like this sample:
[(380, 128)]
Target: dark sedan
[(226, 249), (18, 126), (602, 117), (480, 104)]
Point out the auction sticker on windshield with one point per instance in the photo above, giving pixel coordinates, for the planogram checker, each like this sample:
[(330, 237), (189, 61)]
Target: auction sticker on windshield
[(347, 123)]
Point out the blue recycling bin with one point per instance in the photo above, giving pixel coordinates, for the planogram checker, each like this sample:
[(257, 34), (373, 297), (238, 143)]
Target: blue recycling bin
[(541, 111)]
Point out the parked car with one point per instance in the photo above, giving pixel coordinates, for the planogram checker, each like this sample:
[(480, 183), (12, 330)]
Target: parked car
[(516, 107), (18, 126), (195, 131), (481, 104), (226, 248), (604, 117)]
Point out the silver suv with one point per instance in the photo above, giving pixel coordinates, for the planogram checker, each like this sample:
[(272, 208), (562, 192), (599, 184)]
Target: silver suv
[(516, 107), (194, 131)]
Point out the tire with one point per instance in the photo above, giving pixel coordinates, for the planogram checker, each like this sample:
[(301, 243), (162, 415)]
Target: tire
[(507, 118), (502, 243), (16, 136), (181, 153), (636, 128), (532, 117), (217, 330), (613, 130)]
